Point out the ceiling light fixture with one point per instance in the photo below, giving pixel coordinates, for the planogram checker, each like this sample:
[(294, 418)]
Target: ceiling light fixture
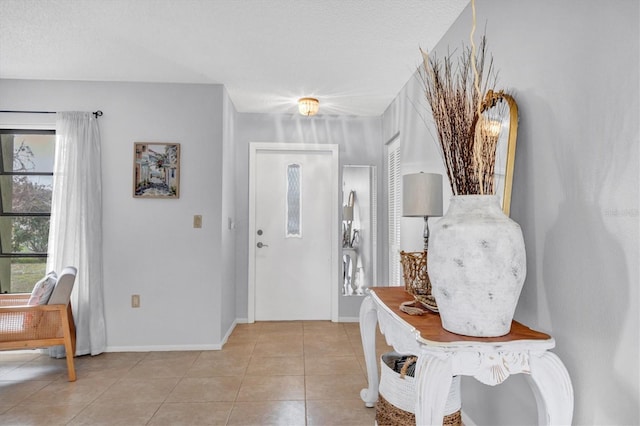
[(308, 106)]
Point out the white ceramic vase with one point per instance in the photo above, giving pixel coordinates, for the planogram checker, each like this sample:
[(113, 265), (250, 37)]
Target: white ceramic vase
[(477, 266)]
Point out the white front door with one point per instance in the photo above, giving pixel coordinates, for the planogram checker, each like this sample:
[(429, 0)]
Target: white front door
[(293, 242)]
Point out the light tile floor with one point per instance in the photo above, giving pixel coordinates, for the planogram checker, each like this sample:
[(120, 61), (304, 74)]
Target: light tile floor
[(268, 373)]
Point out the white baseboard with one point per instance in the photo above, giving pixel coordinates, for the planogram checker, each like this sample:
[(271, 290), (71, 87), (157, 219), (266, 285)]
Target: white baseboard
[(340, 319), (466, 420), (348, 319), (210, 347), (164, 348), (229, 331)]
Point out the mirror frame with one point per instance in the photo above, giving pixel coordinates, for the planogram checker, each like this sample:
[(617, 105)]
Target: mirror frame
[(491, 99)]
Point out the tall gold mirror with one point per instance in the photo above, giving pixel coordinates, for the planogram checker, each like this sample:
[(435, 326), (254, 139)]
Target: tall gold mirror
[(501, 110)]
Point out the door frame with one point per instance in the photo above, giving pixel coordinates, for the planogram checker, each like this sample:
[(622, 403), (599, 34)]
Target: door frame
[(333, 149)]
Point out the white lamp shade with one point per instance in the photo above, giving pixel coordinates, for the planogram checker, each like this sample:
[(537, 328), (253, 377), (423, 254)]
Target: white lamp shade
[(422, 195)]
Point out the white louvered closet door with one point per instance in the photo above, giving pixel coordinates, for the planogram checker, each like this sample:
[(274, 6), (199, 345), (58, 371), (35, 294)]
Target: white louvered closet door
[(394, 191)]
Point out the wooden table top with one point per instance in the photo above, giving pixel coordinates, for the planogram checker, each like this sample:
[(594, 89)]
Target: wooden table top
[(430, 327)]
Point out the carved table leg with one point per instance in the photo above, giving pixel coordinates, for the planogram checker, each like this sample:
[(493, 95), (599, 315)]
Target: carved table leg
[(368, 321), (552, 388), (433, 380)]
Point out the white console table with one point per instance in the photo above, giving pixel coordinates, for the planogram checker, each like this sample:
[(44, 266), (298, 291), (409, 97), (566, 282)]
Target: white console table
[(442, 355)]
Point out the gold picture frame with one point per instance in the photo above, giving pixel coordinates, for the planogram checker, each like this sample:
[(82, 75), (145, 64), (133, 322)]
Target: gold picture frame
[(156, 170)]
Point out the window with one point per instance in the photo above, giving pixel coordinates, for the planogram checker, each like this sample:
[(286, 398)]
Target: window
[(293, 201), (394, 191), (26, 183)]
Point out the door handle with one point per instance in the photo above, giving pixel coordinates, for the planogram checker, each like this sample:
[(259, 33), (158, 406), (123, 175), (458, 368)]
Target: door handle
[(260, 245)]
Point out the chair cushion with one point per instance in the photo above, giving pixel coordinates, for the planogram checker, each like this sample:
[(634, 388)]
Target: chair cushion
[(43, 289)]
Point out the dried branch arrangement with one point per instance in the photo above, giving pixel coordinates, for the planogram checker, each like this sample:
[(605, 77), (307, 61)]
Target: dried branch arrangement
[(466, 123)]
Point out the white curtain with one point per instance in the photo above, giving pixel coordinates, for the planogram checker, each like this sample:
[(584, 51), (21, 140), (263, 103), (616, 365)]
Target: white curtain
[(75, 235)]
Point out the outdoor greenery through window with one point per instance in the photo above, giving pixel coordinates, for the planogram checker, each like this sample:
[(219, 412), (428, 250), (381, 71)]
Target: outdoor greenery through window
[(26, 182)]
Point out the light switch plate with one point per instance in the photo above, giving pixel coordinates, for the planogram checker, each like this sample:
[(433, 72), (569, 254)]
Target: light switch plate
[(197, 221)]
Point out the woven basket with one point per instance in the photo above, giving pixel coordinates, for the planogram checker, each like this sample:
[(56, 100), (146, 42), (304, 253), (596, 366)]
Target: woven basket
[(414, 272), (396, 401)]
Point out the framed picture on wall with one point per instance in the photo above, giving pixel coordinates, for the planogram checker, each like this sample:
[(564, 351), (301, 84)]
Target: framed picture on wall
[(156, 170)]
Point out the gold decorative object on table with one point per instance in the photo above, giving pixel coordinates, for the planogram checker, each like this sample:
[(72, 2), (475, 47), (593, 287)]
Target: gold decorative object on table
[(416, 281), (414, 272)]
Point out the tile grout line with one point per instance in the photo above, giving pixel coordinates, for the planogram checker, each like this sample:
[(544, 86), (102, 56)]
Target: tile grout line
[(304, 380), (173, 388), (90, 403), (244, 376)]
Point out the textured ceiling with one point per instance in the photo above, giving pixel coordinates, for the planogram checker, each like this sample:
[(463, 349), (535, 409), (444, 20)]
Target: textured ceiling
[(355, 56)]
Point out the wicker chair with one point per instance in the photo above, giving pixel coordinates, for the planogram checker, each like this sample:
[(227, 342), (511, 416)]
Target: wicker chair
[(40, 326)]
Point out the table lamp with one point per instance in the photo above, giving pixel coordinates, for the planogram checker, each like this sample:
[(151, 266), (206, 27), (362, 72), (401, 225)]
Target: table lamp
[(422, 197)]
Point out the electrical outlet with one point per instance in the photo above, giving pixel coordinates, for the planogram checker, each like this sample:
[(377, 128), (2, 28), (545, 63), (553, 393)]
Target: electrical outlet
[(135, 300), (197, 221)]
